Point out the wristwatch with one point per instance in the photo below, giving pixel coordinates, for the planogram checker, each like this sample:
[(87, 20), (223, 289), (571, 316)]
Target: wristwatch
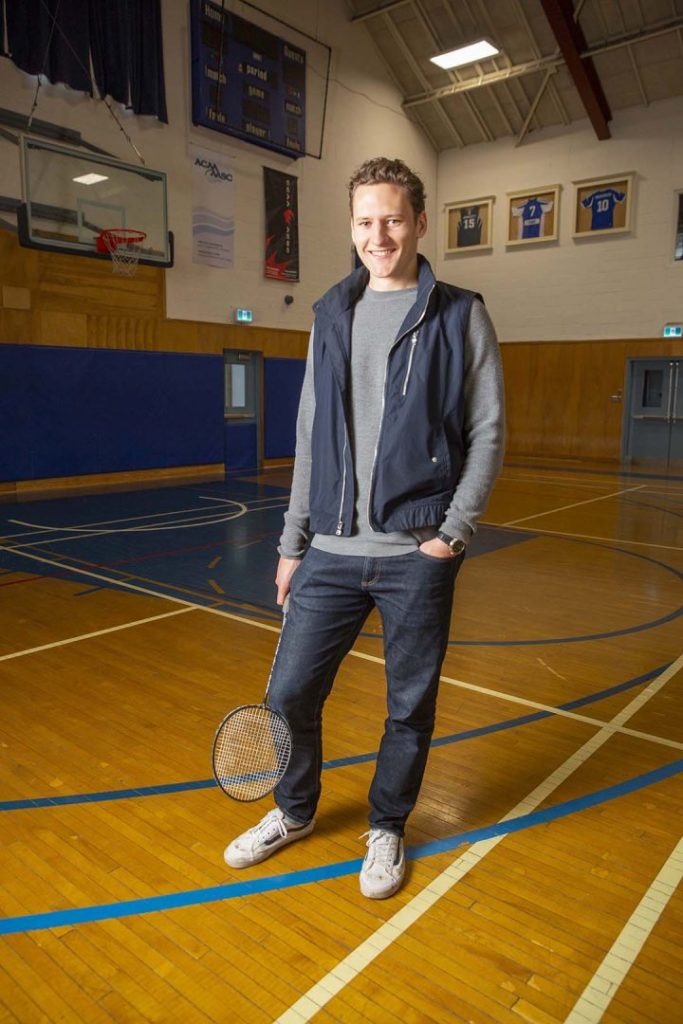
[(456, 545)]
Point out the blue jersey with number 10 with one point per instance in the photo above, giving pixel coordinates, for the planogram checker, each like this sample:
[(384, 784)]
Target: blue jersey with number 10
[(602, 204)]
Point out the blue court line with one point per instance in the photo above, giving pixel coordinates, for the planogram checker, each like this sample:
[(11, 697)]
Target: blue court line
[(658, 508), (626, 631), (234, 890), (341, 762)]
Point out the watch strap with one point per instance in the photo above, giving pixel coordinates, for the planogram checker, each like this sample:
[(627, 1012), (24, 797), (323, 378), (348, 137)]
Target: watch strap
[(455, 544)]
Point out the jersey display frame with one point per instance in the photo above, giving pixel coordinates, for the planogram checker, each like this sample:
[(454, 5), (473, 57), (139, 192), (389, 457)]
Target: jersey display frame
[(468, 225), (604, 206), (533, 215), (678, 221)]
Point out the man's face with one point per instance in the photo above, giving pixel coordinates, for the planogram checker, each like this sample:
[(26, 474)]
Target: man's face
[(385, 232)]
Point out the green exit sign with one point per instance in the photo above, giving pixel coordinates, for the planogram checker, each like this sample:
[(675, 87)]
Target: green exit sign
[(673, 330), (244, 316)]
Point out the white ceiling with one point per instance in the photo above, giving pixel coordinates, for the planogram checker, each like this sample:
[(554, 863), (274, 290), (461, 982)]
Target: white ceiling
[(634, 46)]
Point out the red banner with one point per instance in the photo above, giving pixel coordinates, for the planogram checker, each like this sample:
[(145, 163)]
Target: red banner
[(282, 226)]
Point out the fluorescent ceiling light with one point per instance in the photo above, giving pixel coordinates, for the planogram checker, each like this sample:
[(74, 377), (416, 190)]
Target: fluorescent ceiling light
[(91, 179), (465, 54)]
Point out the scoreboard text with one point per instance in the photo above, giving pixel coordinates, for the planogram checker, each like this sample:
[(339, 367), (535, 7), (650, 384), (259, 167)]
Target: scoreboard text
[(247, 82)]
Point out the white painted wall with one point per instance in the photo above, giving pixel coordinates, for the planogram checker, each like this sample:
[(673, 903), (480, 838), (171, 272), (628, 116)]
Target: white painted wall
[(364, 119), (623, 286), (614, 287)]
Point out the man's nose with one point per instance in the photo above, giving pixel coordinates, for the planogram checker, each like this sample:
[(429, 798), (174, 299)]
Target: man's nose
[(378, 234)]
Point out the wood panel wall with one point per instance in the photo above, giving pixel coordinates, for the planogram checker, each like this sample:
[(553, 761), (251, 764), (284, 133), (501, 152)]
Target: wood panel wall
[(558, 393), (55, 299)]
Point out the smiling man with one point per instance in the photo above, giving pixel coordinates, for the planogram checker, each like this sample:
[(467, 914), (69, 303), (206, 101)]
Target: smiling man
[(399, 442)]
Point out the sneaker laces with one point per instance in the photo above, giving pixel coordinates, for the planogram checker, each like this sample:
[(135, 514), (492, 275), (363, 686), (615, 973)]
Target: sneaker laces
[(382, 848), (273, 821)]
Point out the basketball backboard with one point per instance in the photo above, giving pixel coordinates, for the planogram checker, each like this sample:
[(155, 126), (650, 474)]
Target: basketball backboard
[(70, 196)]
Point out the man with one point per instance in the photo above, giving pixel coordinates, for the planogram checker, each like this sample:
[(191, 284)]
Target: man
[(399, 442)]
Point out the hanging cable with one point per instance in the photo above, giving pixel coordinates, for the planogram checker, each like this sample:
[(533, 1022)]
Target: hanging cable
[(87, 71), (42, 70)]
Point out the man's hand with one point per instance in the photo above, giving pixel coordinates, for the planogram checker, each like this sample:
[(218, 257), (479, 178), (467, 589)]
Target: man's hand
[(437, 549), (286, 568)]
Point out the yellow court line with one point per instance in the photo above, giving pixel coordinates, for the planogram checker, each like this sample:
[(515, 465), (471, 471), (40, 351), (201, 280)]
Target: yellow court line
[(352, 965), (37, 528), (98, 632), (564, 508), (590, 536), (500, 695), (555, 480), (319, 994), (604, 985), (537, 706)]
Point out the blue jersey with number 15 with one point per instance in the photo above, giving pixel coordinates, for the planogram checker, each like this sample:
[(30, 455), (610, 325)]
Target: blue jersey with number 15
[(469, 227)]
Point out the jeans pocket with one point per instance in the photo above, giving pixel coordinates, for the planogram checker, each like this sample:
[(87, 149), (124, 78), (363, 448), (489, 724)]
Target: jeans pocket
[(436, 558)]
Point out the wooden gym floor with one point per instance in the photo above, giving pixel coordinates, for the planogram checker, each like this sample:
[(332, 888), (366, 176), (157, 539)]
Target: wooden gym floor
[(546, 848)]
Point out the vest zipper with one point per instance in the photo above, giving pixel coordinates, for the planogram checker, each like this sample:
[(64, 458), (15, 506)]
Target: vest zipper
[(384, 396), (340, 524), (413, 343)]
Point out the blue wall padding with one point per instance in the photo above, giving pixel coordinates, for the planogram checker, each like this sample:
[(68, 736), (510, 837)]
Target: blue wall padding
[(71, 411), (240, 445), (282, 387)]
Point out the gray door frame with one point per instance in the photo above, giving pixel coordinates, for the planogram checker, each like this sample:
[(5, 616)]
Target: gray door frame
[(665, 422)]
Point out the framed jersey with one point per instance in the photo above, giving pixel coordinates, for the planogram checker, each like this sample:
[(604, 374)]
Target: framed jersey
[(603, 206), (468, 225), (678, 239), (533, 215)]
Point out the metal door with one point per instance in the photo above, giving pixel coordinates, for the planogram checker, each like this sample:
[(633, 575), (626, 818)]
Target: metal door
[(242, 409), (654, 427)]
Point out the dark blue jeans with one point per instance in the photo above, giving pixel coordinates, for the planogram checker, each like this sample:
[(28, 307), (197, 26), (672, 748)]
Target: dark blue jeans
[(331, 597)]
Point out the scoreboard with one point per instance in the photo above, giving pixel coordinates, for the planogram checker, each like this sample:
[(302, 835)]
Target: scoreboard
[(247, 82)]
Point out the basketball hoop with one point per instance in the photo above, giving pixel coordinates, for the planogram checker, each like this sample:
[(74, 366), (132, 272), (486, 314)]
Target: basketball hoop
[(124, 247)]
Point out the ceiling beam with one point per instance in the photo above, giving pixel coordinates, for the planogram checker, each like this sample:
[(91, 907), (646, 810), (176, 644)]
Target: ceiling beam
[(572, 43), (453, 75), (448, 9), (532, 66), (547, 81), (417, 71), (382, 9)]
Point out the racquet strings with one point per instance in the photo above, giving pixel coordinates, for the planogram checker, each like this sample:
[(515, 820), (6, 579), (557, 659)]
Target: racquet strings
[(251, 752)]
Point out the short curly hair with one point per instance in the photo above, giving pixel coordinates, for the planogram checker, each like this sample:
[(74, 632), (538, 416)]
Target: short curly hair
[(383, 171)]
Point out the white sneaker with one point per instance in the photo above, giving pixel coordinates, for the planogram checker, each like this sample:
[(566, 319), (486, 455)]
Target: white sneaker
[(257, 843), (384, 865)]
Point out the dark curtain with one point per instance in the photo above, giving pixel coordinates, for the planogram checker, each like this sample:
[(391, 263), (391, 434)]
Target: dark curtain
[(127, 53), (110, 51), (122, 38), (3, 51), (147, 86), (50, 37)]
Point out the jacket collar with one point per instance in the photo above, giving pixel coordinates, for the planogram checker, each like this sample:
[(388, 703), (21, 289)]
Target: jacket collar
[(346, 293)]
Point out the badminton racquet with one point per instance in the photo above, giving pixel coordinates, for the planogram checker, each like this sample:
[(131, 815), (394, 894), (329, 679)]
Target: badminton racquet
[(252, 745)]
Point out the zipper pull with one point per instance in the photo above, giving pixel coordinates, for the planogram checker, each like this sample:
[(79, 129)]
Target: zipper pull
[(340, 528)]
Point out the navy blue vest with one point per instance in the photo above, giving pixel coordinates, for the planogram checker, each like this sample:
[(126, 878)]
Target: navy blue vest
[(421, 445)]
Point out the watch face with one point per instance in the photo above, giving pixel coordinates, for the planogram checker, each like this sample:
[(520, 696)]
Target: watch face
[(455, 544)]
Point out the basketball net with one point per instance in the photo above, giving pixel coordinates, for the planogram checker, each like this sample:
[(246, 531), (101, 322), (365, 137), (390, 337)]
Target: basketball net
[(124, 247)]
